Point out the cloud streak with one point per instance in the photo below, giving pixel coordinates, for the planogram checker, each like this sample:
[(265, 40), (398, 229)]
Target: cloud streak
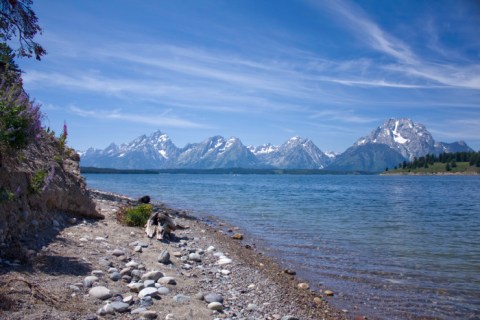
[(159, 120)]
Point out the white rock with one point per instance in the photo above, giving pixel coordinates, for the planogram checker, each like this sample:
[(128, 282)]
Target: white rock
[(224, 261), (215, 306), (211, 249), (100, 292), (148, 292)]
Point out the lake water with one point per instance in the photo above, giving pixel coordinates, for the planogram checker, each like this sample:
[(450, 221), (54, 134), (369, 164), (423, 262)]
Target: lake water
[(390, 247)]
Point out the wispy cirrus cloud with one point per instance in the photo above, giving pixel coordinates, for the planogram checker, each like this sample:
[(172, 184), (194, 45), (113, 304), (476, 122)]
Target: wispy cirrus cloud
[(158, 119), (407, 62)]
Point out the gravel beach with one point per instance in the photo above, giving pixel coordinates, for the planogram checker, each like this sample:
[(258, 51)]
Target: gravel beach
[(99, 269)]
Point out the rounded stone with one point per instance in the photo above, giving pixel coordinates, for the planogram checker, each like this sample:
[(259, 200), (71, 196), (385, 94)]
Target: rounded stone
[(237, 236), (115, 276), (215, 306), (194, 257), (148, 292), (152, 275), (119, 306), (118, 253), (164, 257), (163, 291), (317, 301), (149, 283), (224, 260), (149, 314), (303, 286), (167, 280), (100, 292), (88, 281), (213, 297), (328, 293)]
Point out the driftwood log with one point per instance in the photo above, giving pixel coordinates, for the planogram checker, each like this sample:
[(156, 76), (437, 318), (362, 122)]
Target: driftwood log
[(161, 224)]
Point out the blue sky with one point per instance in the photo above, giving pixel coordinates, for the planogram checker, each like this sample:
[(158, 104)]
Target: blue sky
[(262, 71)]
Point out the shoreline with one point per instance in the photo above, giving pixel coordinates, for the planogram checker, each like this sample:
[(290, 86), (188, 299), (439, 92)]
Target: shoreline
[(252, 285)]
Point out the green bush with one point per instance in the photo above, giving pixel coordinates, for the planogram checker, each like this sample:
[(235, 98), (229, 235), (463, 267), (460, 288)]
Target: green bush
[(137, 216)]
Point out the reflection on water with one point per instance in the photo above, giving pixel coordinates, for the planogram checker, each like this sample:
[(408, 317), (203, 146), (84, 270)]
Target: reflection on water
[(391, 247)]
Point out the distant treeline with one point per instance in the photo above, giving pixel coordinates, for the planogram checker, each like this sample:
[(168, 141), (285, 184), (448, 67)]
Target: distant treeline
[(216, 171), (450, 159)]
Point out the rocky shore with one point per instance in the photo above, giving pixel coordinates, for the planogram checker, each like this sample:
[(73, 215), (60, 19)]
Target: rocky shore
[(98, 269)]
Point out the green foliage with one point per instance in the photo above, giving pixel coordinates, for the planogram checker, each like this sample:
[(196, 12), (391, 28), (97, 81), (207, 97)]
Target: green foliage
[(6, 195), (38, 181), (137, 216), (20, 119), (18, 21)]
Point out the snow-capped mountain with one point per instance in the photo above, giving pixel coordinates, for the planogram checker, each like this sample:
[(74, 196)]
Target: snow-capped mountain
[(216, 152), (392, 142), (296, 153), (146, 152), (402, 136)]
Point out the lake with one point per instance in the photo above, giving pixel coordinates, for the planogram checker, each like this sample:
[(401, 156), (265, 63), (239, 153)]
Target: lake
[(390, 247)]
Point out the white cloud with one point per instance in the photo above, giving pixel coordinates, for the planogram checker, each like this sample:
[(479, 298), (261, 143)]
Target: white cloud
[(159, 120)]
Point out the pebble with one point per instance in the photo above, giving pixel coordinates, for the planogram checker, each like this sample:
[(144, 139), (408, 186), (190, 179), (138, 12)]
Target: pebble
[(149, 283), (328, 293), (115, 276), (164, 257), (149, 314), (136, 286), (112, 270), (237, 236), (317, 301), (163, 291), (303, 286), (200, 296), (215, 306), (106, 309), (128, 299), (88, 281), (225, 272), (97, 273), (194, 257), (180, 298), (152, 275), (100, 292), (167, 280), (148, 292), (213, 297), (125, 271), (100, 239), (211, 249), (138, 249), (223, 261), (177, 254), (170, 316), (119, 306), (132, 264), (118, 253), (146, 302)]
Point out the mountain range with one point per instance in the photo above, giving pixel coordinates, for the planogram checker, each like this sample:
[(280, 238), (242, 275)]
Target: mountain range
[(395, 141)]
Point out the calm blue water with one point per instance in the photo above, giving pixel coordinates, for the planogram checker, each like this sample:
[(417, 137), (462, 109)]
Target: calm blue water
[(391, 247)]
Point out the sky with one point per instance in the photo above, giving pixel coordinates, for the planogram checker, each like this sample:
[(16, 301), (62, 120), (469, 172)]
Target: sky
[(262, 71)]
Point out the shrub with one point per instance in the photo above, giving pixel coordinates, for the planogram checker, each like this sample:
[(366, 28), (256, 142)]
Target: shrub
[(135, 216), (20, 118)]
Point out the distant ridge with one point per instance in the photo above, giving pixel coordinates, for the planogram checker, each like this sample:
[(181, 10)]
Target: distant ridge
[(394, 141)]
